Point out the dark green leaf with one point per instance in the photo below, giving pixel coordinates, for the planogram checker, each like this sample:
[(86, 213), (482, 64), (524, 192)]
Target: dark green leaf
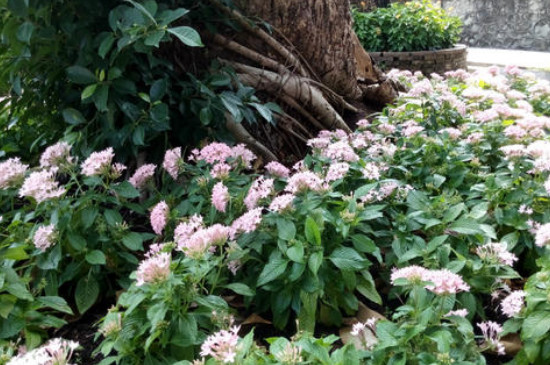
[(346, 258), (73, 116), (286, 230), (56, 303), (274, 268), (96, 257), (86, 293), (187, 35), (24, 32), (240, 288), (133, 241), (126, 190), (82, 76)]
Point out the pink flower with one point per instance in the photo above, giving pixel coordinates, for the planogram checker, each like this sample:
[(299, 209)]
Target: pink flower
[(200, 242), (142, 175), (474, 138), (337, 171), (45, 237), (172, 162), (13, 173), (542, 236), (524, 209), (411, 273), (220, 170), (55, 352), (362, 123), (155, 269), (261, 188), (41, 186), (186, 229), (57, 155), (496, 252), (491, 334), (212, 153), (371, 171), (302, 181), (452, 132), (513, 303), (277, 169), (513, 151), (222, 345), (282, 203), (243, 155), (99, 163), (246, 223), (515, 132), (220, 197), (445, 282), (159, 217), (340, 151), (459, 313), (485, 115)]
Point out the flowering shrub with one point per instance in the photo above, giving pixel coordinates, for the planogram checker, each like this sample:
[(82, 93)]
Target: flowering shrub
[(409, 26), (436, 211)]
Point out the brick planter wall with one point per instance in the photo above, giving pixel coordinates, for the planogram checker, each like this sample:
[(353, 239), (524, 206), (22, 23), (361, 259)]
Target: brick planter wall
[(439, 61)]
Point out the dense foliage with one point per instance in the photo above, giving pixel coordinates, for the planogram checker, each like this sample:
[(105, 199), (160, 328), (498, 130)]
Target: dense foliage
[(436, 213), (411, 26), (113, 73)]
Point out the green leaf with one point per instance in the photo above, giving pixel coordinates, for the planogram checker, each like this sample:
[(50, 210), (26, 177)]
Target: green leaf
[(296, 252), (286, 230), (7, 302), (187, 35), (346, 258), (263, 111), (536, 325), (88, 91), (106, 45), (314, 261), (96, 257), (240, 288), (274, 268), (154, 38), (143, 10), (11, 327), (313, 234), (86, 293), (112, 217), (101, 97), (363, 244), (56, 303), (73, 116), (126, 190), (466, 226), (88, 216), (49, 260), (81, 75), (24, 32), (168, 16), (158, 90), (19, 7), (17, 253), (133, 241), (77, 241), (367, 288)]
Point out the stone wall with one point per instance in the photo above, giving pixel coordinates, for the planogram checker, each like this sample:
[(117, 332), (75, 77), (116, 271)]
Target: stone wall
[(511, 24)]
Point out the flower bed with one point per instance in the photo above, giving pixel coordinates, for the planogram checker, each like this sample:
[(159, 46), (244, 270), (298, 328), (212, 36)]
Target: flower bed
[(436, 212)]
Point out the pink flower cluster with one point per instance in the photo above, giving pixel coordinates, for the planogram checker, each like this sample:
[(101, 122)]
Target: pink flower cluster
[(100, 164), (542, 235), (220, 152), (55, 352), (246, 223), (441, 282), (282, 203), (197, 244), (497, 253), (41, 186), (513, 303), (337, 171), (222, 345), (154, 269), (44, 237), (220, 197), (159, 217), (303, 181), (261, 188), (13, 172), (276, 169), (143, 175), (491, 332), (58, 155), (172, 162)]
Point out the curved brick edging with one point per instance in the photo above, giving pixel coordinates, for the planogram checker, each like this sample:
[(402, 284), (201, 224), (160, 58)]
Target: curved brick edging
[(439, 61)]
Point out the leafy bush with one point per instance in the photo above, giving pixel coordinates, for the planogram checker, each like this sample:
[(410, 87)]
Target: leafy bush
[(410, 26), (97, 74)]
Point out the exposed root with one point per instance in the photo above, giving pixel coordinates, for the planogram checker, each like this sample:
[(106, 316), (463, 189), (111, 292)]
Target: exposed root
[(293, 62), (294, 105), (295, 87), (241, 135)]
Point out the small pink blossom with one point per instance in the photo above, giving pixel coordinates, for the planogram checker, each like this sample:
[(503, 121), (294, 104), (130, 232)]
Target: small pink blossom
[(282, 203), (261, 188), (55, 352), (277, 169), (337, 171), (474, 138), (515, 132), (452, 132), (203, 240), (212, 153), (513, 151), (172, 162), (513, 303), (222, 345), (371, 171), (445, 282), (159, 217), (220, 170), (411, 273), (302, 181), (220, 197), (58, 155), (186, 229), (243, 155), (246, 223), (496, 253), (542, 236), (491, 332), (524, 209), (459, 313), (41, 186), (45, 237), (143, 175), (12, 173), (340, 151), (99, 163), (155, 269)]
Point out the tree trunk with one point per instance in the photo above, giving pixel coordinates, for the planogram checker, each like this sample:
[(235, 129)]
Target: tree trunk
[(311, 60)]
